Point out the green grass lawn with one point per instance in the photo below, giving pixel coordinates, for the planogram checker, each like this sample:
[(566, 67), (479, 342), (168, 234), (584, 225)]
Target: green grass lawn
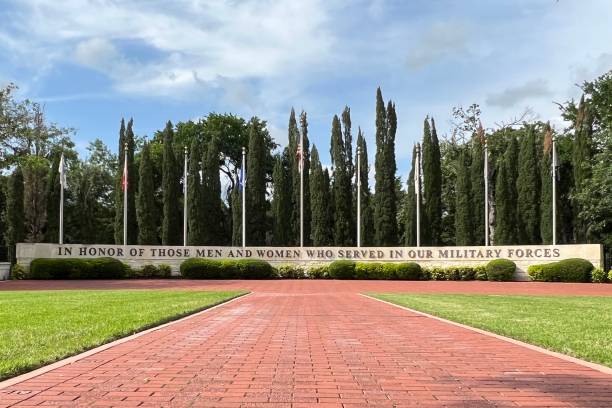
[(39, 327), (577, 326)]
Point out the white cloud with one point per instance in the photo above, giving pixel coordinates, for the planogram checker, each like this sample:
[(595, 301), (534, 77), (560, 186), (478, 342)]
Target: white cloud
[(536, 88), (441, 41)]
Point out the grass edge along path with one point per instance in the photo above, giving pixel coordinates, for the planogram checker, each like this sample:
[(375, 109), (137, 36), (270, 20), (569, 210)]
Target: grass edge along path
[(577, 326), (82, 320)]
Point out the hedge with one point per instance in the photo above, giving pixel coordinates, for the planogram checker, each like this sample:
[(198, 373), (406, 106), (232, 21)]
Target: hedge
[(341, 269), (567, 270), (500, 270), (200, 268), (77, 268)]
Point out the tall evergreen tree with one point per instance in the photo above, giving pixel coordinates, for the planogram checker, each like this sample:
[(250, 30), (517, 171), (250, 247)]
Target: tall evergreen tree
[(528, 190), (341, 187), (171, 223), (506, 217), (367, 217), (118, 189), (196, 218), (410, 224), (53, 201), (212, 205), (385, 226), (236, 216), (320, 207), (582, 153), (146, 210), (328, 221), (432, 183), (464, 230), (132, 222), (546, 183), (281, 200), (294, 140), (307, 204), (478, 187), (14, 212), (256, 191), (35, 173)]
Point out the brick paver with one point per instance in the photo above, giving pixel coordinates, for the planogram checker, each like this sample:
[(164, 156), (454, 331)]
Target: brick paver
[(303, 344)]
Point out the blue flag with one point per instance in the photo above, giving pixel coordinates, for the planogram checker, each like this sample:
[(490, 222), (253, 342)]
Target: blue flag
[(242, 179)]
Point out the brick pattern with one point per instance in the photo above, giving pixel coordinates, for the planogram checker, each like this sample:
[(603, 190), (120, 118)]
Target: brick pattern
[(294, 344)]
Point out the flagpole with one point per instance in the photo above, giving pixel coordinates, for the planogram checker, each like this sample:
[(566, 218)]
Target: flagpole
[(125, 192), (417, 189), (358, 196), (301, 164), (185, 199), (486, 192), (554, 193), (61, 209), (243, 181)]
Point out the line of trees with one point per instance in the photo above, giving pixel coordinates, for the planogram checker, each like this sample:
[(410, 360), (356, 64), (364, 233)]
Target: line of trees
[(451, 183)]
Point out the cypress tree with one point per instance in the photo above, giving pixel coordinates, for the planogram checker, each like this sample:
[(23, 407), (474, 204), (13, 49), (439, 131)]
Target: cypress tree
[(528, 191), (171, 223), (410, 206), (478, 187), (581, 163), (432, 180), (506, 217), (546, 183), (464, 229), (306, 150), (319, 232), (53, 201), (367, 217), (195, 216), (145, 200), (15, 212), (281, 201), (294, 140), (391, 168), (236, 216), (213, 207), (256, 190), (35, 172), (341, 188), (118, 187), (132, 224), (328, 198)]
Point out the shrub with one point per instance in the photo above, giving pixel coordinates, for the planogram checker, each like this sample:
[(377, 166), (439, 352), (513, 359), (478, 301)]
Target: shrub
[(254, 269), (567, 270), (500, 270), (18, 272), (598, 275), (341, 269), (199, 268), (291, 272), (408, 271), (480, 272), (436, 273), (318, 272), (77, 268), (153, 271), (610, 275), (165, 270)]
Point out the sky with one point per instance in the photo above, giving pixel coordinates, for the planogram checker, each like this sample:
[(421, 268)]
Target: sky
[(93, 62)]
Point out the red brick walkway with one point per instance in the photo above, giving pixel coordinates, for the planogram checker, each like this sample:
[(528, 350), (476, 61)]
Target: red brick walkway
[(311, 344)]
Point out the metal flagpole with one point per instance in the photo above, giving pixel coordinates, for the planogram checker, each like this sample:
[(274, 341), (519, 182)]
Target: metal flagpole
[(554, 193), (486, 185), (61, 209), (125, 192), (301, 189), (185, 200), (358, 196), (243, 185), (417, 189)]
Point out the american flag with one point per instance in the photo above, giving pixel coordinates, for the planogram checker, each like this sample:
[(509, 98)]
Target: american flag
[(124, 176)]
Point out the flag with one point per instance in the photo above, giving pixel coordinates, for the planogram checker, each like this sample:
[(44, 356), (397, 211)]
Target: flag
[(242, 178), (555, 161), (298, 154), (62, 171), (124, 176)]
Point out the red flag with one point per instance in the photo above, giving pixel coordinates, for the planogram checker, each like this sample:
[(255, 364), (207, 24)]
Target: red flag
[(124, 176)]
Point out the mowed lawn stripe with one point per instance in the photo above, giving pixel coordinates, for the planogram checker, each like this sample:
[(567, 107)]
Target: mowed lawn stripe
[(40, 327), (573, 325)]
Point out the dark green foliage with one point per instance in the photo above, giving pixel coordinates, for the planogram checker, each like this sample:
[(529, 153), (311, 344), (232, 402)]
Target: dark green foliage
[(199, 268), (506, 228), (171, 223), (341, 188), (464, 230), (408, 271), (146, 209), (581, 162), (546, 181), (342, 269), (256, 225), (347, 141), (449, 152), (53, 201), (320, 229), (294, 141), (236, 200), (14, 212), (385, 207), (77, 268), (35, 173), (196, 219), (500, 270), (477, 189), (307, 205), (432, 184), (132, 224), (281, 201), (118, 189), (213, 233), (367, 216), (291, 272), (567, 270), (528, 190), (3, 221), (410, 229), (151, 271)]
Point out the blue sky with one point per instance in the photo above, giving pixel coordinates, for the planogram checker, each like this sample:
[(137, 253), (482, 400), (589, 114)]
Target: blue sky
[(93, 62)]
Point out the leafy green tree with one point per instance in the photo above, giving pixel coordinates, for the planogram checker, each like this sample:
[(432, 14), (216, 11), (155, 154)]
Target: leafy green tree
[(341, 187), (478, 187), (53, 201), (214, 233), (35, 173), (432, 180), (546, 183), (449, 155), (367, 216), (3, 221), (15, 212), (171, 223), (281, 201), (256, 227), (464, 230), (528, 190), (146, 209)]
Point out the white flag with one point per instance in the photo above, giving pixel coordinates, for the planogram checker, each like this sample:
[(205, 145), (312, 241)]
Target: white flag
[(62, 171)]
